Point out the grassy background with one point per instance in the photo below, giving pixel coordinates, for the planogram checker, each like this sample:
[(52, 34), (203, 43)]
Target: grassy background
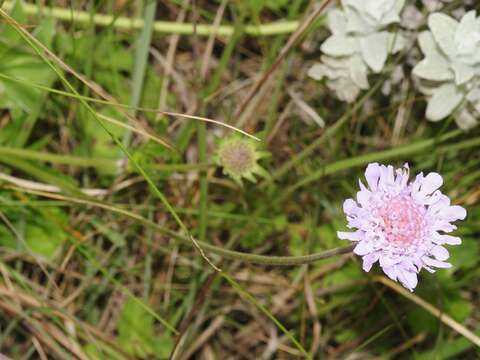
[(99, 190)]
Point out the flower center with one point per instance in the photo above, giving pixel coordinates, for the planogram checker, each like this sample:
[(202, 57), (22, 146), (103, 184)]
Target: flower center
[(239, 157), (403, 221)]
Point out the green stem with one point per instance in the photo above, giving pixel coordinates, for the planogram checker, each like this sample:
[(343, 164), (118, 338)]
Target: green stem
[(225, 253), (165, 27)]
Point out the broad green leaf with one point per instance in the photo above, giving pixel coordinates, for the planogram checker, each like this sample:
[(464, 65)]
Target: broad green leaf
[(466, 255), (136, 333)]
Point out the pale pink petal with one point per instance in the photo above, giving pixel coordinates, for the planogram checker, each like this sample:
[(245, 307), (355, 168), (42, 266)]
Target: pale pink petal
[(440, 253), (446, 239), (372, 174), (387, 261), (408, 279), (453, 213), (363, 197), (402, 177), (350, 207), (353, 236), (431, 183), (369, 260), (391, 272), (363, 248), (436, 263)]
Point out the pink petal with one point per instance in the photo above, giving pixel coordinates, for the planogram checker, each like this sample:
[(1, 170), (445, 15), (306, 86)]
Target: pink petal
[(431, 183), (446, 239), (391, 272), (401, 179), (387, 177), (363, 197), (442, 225), (387, 261), (408, 279), (369, 260), (455, 212), (436, 263), (363, 248), (372, 174), (350, 207), (440, 253), (353, 236)]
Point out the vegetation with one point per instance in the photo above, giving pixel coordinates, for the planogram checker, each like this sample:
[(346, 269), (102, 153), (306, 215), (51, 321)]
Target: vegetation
[(124, 233)]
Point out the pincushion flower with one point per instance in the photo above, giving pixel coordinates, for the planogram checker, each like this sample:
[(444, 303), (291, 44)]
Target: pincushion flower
[(401, 224), (239, 158)]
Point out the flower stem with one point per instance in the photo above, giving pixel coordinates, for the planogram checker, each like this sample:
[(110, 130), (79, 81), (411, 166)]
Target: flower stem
[(166, 27), (209, 248)]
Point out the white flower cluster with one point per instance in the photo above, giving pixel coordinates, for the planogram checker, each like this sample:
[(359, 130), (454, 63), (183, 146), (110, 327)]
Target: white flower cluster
[(451, 68), (359, 44)]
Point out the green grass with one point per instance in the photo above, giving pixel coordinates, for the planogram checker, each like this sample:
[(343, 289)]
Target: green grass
[(171, 257)]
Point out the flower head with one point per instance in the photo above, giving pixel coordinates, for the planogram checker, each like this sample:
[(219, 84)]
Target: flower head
[(401, 224), (239, 158)]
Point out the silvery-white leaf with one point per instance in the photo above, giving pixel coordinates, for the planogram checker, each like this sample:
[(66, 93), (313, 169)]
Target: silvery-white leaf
[(474, 95), (374, 49), (432, 68), (317, 71), (465, 120), (339, 45), (399, 4), (444, 100), (390, 18), (354, 4), (379, 8), (336, 62), (396, 42), (467, 36), (345, 89), (337, 73), (428, 45), (337, 22), (358, 72), (443, 28), (463, 72), (427, 87), (356, 24)]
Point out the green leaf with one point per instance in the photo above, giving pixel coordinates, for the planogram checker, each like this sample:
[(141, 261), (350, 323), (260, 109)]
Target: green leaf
[(136, 333), (466, 255)]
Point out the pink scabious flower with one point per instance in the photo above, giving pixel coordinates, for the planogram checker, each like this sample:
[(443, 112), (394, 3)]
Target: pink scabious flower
[(401, 224)]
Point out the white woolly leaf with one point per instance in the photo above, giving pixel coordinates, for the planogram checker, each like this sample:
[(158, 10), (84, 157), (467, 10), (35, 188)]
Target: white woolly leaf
[(375, 50), (444, 100)]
